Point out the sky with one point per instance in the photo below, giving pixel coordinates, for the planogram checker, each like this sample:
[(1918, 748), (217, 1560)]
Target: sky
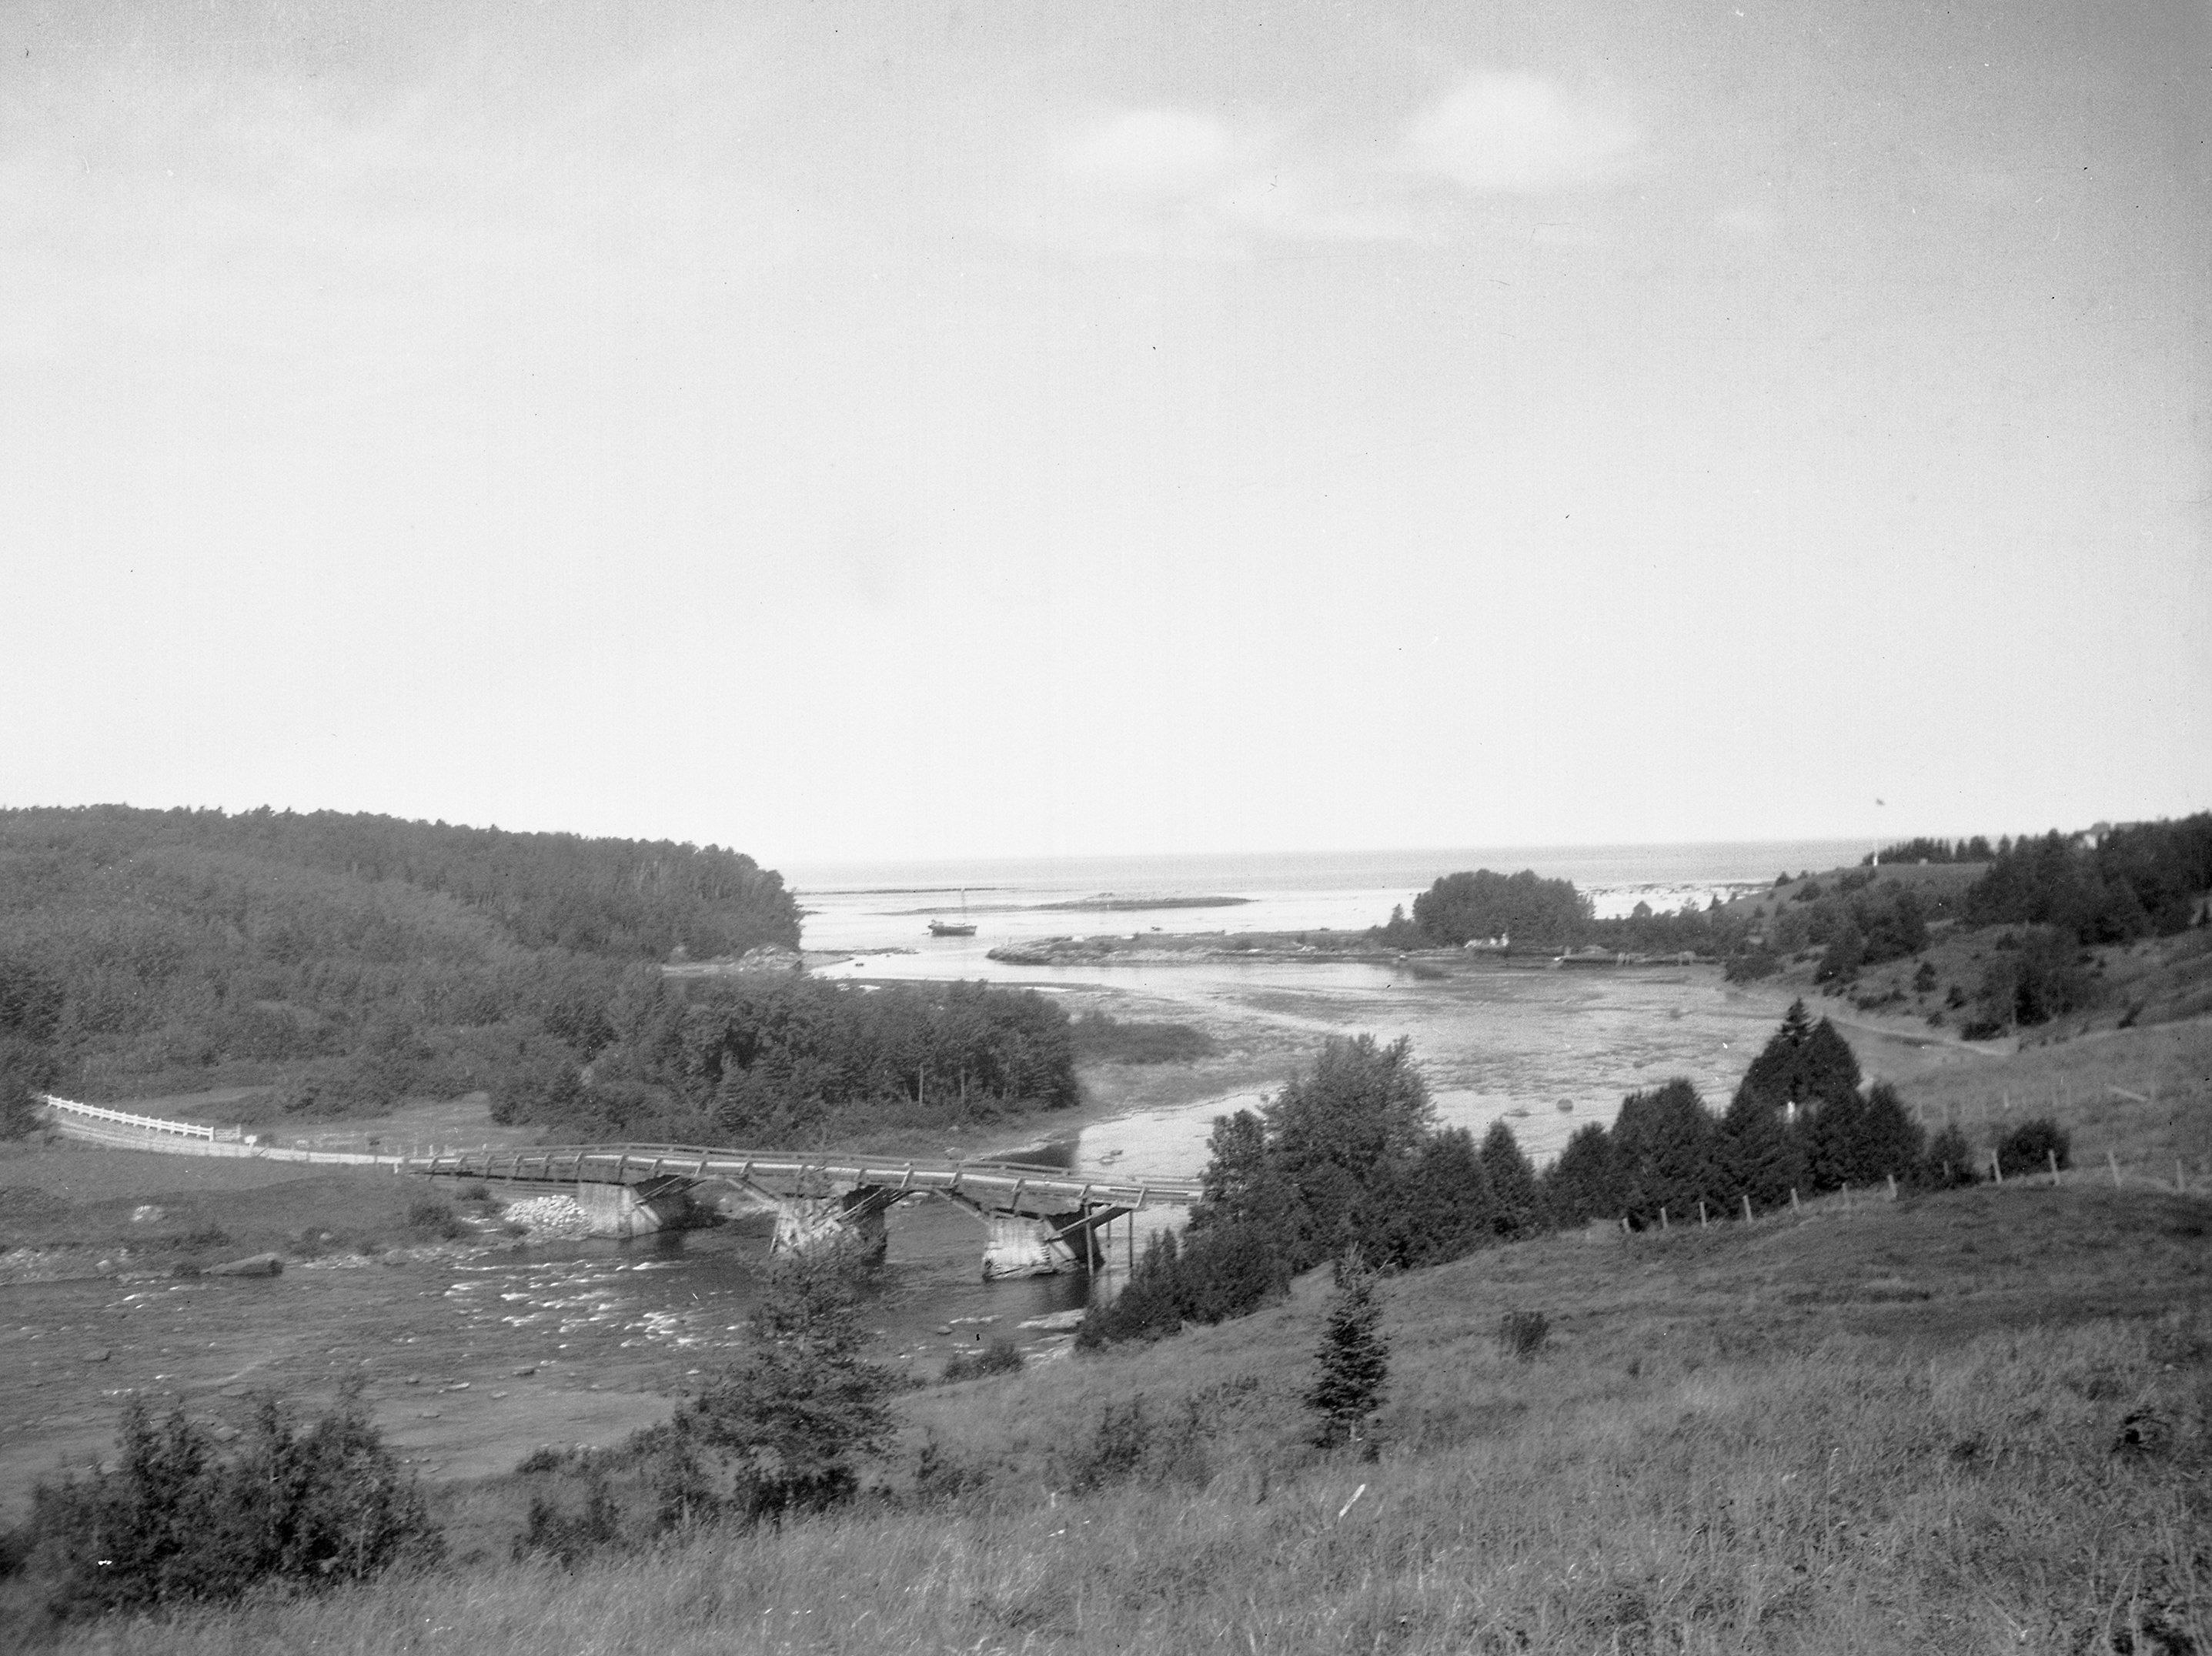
[(921, 430)]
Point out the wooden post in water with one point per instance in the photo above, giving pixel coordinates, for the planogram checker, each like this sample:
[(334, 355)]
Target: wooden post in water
[(1746, 1210), (1701, 1213), (1795, 1205), (2053, 1155), (1996, 1167), (1663, 1211), (1893, 1187)]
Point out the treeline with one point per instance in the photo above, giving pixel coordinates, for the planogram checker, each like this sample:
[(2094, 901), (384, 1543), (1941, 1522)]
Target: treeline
[(1799, 1121), (781, 1058), (1975, 850), (1529, 911), (1525, 907), (1861, 921), (354, 959), (1348, 1158), (2145, 880)]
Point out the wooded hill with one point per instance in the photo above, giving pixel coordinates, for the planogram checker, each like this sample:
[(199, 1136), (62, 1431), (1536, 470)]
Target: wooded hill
[(353, 958)]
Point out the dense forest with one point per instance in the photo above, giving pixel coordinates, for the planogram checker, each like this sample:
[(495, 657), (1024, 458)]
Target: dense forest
[(351, 961), (1348, 1160), (781, 1058), (352, 958)]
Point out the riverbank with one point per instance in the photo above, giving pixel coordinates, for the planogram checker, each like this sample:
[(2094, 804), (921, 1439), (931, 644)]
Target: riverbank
[(1915, 1425)]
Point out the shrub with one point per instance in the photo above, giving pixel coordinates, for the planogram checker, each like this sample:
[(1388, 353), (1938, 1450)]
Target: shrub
[(437, 1217), (789, 1418), (1130, 1445), (572, 1537), (1523, 1334), (1949, 1162), (998, 1357), (175, 1524), (1750, 965), (2029, 1147)]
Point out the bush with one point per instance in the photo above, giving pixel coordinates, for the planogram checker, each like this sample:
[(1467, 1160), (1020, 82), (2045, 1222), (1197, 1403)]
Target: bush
[(998, 1357), (1523, 1334), (174, 1523), (436, 1216), (1130, 1446), (1949, 1162), (2029, 1148), (787, 1422), (571, 1537)]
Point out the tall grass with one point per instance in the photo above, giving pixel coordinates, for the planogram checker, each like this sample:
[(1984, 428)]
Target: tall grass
[(1749, 1439)]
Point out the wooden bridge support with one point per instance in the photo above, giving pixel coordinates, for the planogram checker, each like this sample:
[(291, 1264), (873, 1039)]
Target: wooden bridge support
[(627, 1210), (1024, 1242), (851, 1219)]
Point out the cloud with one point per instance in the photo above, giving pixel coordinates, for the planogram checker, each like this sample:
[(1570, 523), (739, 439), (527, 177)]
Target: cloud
[(1185, 184), (1159, 153), (1509, 132)]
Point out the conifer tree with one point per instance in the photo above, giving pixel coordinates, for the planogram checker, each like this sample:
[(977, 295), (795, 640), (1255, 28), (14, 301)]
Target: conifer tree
[(1662, 1151), (1760, 1154), (1584, 1184), (1441, 1208), (1891, 1141), (1512, 1181), (1354, 1358), (797, 1410)]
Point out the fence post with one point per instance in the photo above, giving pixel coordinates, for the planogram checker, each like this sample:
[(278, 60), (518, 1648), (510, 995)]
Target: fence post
[(1893, 1187), (1663, 1211), (2053, 1155), (1794, 1206), (1996, 1167), (1746, 1210), (1701, 1213)]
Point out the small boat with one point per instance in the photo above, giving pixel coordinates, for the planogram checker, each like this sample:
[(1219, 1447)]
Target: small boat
[(963, 927)]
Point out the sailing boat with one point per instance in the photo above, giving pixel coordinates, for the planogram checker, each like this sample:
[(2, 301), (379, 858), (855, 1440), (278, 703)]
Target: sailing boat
[(963, 927)]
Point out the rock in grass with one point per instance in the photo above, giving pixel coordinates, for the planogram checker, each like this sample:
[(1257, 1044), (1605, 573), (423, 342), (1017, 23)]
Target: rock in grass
[(256, 1264)]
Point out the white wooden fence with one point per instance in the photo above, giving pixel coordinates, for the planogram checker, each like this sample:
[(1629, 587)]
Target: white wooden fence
[(101, 1125)]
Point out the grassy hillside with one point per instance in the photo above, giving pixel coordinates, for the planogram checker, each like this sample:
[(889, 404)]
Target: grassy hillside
[(1975, 1422)]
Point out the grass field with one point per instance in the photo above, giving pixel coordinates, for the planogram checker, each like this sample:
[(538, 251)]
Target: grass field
[(1970, 1423)]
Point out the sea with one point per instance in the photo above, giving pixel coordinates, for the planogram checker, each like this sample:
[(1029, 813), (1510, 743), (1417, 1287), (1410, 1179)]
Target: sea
[(874, 908)]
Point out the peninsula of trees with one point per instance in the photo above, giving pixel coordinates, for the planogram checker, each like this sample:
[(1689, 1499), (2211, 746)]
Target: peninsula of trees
[(348, 961)]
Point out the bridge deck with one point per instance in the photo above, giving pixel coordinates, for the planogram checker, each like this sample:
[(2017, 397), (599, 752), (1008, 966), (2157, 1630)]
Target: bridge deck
[(1000, 1183)]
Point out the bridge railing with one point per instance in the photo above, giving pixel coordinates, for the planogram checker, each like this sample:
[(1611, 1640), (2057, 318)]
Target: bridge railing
[(633, 1163), (70, 1109)]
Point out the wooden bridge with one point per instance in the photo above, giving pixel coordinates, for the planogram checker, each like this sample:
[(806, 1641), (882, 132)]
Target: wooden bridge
[(1038, 1219)]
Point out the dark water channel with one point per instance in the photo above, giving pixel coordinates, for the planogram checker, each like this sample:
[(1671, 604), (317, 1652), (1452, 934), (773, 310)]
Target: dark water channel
[(472, 1359)]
